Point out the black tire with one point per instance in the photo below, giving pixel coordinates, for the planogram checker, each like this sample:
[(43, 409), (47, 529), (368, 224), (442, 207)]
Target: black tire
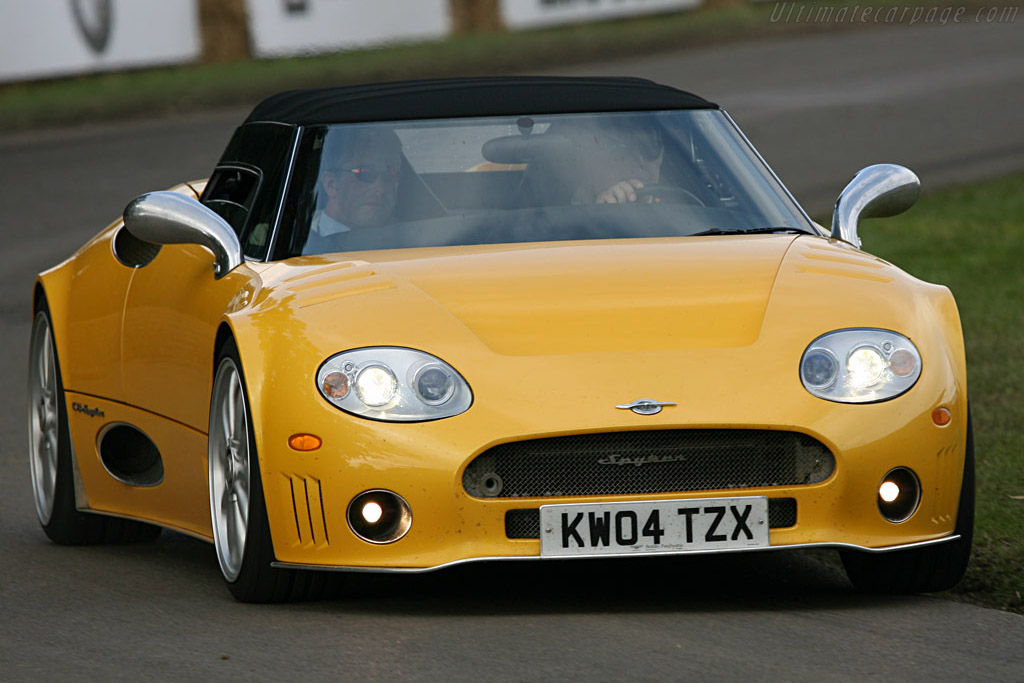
[(66, 525), (256, 580), (921, 570)]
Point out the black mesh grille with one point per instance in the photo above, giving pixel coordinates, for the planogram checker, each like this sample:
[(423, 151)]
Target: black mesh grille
[(660, 461), (522, 523), (525, 523), (781, 513)]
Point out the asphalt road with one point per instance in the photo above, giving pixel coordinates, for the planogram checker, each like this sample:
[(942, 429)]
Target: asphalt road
[(944, 101)]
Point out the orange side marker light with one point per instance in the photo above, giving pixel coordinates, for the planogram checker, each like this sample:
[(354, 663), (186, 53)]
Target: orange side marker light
[(304, 442), (942, 416)]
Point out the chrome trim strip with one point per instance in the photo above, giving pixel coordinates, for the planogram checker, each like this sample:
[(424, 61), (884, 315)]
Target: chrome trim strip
[(286, 186), (785, 189), (512, 558)]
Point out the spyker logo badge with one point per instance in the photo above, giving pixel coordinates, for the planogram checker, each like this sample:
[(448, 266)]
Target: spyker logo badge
[(645, 406)]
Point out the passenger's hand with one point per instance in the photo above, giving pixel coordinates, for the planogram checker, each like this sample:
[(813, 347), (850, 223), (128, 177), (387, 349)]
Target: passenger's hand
[(621, 193)]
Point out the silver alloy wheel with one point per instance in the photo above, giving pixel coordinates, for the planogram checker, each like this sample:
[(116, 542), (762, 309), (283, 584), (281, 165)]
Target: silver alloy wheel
[(229, 469), (43, 426)]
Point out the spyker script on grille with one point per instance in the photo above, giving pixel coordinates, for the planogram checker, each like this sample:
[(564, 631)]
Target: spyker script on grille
[(638, 460)]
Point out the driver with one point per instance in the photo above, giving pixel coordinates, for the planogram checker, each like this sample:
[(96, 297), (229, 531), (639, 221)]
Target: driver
[(620, 161), (362, 169)]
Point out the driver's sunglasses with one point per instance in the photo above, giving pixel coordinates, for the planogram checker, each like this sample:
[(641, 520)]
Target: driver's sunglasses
[(368, 174)]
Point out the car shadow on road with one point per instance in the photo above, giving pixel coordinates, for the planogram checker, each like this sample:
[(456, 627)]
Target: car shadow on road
[(751, 581), (770, 580)]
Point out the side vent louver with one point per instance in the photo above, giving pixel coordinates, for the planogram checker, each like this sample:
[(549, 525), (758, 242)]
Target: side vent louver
[(307, 502)]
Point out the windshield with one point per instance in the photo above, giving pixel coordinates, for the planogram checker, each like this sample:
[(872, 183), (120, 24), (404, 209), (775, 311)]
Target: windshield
[(527, 179)]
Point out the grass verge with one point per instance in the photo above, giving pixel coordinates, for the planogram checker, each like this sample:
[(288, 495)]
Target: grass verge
[(972, 241), (192, 87)]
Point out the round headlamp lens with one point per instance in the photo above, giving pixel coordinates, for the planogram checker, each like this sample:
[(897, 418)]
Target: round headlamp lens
[(902, 362), (376, 385), (819, 368), (335, 385), (434, 385), (865, 366)]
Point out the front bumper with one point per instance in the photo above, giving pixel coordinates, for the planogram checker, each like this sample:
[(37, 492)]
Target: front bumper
[(308, 493)]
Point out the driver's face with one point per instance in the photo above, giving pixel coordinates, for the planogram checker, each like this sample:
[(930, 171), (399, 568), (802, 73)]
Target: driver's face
[(362, 192)]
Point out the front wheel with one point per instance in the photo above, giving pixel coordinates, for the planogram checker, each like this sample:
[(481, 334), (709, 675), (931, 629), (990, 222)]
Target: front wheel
[(241, 532), (921, 570)]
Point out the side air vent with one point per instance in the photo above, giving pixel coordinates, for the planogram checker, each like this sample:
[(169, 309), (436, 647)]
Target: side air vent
[(133, 252), (130, 456)]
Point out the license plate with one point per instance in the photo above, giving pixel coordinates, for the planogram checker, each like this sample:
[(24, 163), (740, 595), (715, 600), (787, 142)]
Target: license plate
[(664, 526)]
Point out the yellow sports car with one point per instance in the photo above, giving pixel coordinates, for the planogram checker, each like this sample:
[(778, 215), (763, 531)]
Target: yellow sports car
[(408, 325)]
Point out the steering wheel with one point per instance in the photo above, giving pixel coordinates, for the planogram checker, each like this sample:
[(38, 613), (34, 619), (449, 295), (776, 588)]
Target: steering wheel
[(668, 193)]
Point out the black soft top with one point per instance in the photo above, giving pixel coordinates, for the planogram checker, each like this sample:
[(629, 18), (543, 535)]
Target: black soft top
[(455, 97)]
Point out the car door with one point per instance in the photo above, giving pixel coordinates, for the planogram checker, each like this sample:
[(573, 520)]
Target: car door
[(172, 312), (175, 304)]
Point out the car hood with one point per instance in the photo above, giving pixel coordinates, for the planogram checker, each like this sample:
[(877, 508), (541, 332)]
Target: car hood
[(543, 299)]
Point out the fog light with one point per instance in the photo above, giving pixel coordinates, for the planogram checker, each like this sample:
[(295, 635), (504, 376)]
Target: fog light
[(372, 512), (888, 491), (379, 516), (899, 495)]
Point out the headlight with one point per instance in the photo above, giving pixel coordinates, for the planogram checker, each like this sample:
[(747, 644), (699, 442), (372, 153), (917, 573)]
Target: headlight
[(393, 384), (860, 366)]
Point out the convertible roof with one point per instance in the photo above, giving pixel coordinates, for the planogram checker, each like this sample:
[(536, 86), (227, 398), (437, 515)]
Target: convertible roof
[(446, 98)]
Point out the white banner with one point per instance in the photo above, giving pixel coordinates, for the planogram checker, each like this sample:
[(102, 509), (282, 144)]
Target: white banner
[(298, 27), (47, 38), (529, 13)]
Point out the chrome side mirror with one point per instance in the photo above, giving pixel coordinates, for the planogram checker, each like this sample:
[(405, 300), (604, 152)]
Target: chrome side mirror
[(875, 192), (173, 218)]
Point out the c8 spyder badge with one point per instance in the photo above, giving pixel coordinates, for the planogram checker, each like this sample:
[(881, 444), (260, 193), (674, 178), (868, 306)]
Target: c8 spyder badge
[(82, 408)]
